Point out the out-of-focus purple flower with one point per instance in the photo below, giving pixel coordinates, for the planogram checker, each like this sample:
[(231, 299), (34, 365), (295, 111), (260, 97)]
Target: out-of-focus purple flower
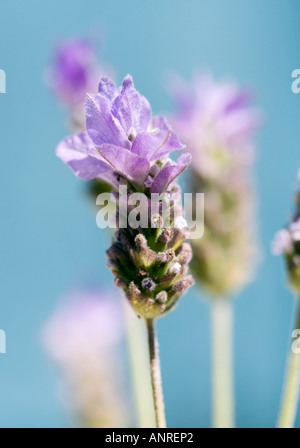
[(88, 319), (83, 337), (295, 230), (287, 243), (286, 240), (75, 70), (215, 120), (123, 139), (282, 242)]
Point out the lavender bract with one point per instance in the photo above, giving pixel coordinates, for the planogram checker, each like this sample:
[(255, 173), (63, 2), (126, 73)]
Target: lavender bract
[(124, 144), (122, 140)]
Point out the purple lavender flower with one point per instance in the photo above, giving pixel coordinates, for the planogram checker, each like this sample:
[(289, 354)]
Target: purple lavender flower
[(90, 319), (83, 337), (287, 243), (282, 242), (74, 70), (124, 143), (216, 122), (122, 139)]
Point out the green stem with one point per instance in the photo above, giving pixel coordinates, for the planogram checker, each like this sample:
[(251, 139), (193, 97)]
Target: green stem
[(222, 364), (139, 367), (290, 396), (155, 372)]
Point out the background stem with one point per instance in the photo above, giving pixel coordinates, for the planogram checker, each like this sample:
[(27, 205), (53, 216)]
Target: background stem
[(290, 396), (156, 382), (139, 366), (222, 364)]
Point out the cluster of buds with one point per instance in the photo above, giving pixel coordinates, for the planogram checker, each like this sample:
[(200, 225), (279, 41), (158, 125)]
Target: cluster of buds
[(216, 122), (151, 264), (287, 242)]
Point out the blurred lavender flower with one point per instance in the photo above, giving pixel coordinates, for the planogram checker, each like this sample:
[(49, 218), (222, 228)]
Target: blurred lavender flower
[(74, 72), (287, 242), (83, 338), (217, 123), (282, 243)]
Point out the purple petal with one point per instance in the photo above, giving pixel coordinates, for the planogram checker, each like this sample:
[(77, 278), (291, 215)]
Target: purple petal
[(101, 125), (144, 145), (169, 172), (155, 145), (107, 88), (74, 151), (131, 109), (131, 166), (145, 113)]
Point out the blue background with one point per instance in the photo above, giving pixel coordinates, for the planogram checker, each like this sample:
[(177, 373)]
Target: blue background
[(48, 232)]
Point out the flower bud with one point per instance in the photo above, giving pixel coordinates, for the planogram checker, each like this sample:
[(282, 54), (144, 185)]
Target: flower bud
[(151, 266)]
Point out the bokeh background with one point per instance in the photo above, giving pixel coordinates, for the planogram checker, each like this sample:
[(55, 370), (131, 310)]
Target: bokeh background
[(49, 240)]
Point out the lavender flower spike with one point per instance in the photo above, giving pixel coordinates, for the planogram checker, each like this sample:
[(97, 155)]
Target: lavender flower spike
[(287, 243), (217, 121), (123, 143)]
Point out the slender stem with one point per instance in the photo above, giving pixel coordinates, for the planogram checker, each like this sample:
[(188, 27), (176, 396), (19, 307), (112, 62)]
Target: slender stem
[(139, 366), (222, 364), (290, 396), (155, 372)]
